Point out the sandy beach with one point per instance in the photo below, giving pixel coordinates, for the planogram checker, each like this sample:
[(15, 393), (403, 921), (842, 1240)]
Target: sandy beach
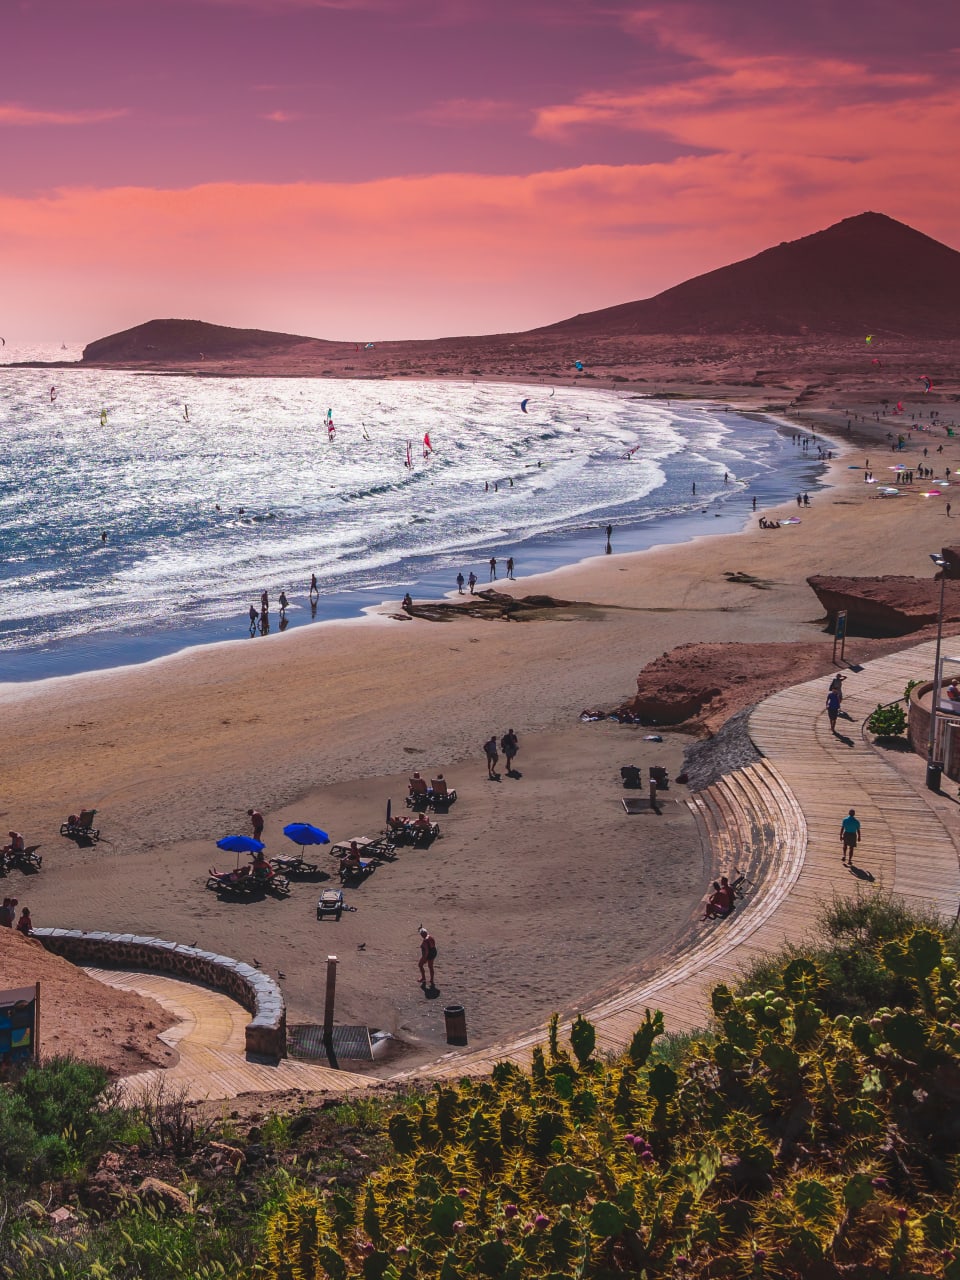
[(541, 890)]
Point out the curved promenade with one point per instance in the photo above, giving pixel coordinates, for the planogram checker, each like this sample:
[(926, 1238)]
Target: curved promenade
[(778, 820), (790, 807), (210, 1037)]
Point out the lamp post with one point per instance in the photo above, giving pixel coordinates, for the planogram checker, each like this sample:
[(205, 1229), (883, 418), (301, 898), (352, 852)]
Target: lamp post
[(934, 768)]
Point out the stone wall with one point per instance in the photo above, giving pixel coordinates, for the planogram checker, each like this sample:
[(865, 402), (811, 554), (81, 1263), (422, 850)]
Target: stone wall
[(918, 729), (266, 1034)]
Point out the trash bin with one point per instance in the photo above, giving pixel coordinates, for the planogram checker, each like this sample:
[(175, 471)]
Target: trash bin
[(934, 774), (454, 1015)]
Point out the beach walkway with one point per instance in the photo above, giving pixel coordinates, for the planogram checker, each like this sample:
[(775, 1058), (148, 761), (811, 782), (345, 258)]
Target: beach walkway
[(789, 807), (777, 820), (209, 1036)]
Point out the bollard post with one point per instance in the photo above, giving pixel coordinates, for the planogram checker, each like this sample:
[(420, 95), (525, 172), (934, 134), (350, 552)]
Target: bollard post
[(329, 1000)]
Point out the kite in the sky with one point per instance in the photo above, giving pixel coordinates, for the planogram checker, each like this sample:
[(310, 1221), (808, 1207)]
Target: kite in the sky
[(579, 365), (927, 384), (868, 339), (876, 362)]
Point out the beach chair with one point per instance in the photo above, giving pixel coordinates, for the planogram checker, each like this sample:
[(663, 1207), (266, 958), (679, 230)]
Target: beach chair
[(659, 775), (441, 796), (330, 903), (630, 775), (425, 834), (418, 793), (355, 871), (79, 826), (26, 859)]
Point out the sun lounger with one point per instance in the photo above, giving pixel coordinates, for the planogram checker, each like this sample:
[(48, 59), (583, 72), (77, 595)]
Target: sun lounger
[(357, 870), (440, 794), (26, 859), (330, 903), (79, 826), (424, 833)]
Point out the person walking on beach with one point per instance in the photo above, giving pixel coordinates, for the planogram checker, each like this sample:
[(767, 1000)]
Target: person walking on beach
[(493, 568), (509, 745), (490, 748), (283, 602), (460, 582), (472, 581), (314, 589), (833, 708), (428, 953), (256, 821), (510, 568), (849, 836), (264, 603), (254, 618)]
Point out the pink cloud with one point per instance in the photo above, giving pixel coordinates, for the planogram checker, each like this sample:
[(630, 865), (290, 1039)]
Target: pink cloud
[(13, 113), (282, 117), (432, 255)]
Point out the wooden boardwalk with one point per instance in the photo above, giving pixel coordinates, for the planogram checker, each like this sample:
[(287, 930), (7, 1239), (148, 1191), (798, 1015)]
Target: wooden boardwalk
[(209, 1036), (791, 805)]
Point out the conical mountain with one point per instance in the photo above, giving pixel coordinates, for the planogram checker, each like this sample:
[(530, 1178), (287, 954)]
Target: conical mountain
[(867, 274)]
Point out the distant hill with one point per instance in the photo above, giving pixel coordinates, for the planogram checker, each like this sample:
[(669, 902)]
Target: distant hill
[(189, 340), (865, 274)]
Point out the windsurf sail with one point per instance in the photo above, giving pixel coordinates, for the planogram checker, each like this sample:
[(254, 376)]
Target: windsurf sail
[(427, 446)]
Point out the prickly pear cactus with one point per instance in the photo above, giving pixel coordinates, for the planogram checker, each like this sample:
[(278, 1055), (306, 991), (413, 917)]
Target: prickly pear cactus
[(784, 1143)]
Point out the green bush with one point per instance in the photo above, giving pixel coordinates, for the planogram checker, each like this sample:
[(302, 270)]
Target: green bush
[(54, 1118), (888, 722)]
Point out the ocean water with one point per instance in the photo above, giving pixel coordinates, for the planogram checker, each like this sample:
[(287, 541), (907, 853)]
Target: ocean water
[(163, 465)]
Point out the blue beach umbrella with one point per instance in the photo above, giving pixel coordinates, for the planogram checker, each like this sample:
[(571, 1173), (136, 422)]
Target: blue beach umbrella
[(303, 833), (241, 844)]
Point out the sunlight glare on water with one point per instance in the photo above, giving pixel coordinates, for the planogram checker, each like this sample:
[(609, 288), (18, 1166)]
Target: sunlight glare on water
[(170, 449)]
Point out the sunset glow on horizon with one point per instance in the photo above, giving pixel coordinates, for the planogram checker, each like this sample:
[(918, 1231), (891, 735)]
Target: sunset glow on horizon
[(371, 169)]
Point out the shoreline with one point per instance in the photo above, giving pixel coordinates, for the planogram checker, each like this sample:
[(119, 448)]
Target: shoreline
[(107, 651), (329, 726)]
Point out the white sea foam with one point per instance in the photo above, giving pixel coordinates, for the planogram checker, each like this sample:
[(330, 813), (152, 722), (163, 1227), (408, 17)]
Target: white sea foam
[(348, 510)]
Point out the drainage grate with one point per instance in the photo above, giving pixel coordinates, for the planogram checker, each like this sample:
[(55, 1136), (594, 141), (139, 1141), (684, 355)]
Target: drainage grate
[(305, 1041)]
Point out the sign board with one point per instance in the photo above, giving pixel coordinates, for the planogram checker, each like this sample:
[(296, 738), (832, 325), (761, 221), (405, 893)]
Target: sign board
[(19, 1024), (841, 625)]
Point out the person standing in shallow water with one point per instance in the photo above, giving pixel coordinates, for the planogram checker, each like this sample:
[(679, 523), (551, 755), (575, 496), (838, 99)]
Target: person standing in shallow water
[(510, 568), (493, 568)]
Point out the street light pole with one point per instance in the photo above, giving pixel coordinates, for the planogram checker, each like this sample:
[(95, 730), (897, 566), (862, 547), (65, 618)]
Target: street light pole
[(934, 769)]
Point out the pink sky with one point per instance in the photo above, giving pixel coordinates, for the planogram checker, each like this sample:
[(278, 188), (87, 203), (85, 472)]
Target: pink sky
[(365, 169)]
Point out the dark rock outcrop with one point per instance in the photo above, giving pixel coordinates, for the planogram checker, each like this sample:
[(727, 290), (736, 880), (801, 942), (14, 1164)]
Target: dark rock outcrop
[(891, 605)]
